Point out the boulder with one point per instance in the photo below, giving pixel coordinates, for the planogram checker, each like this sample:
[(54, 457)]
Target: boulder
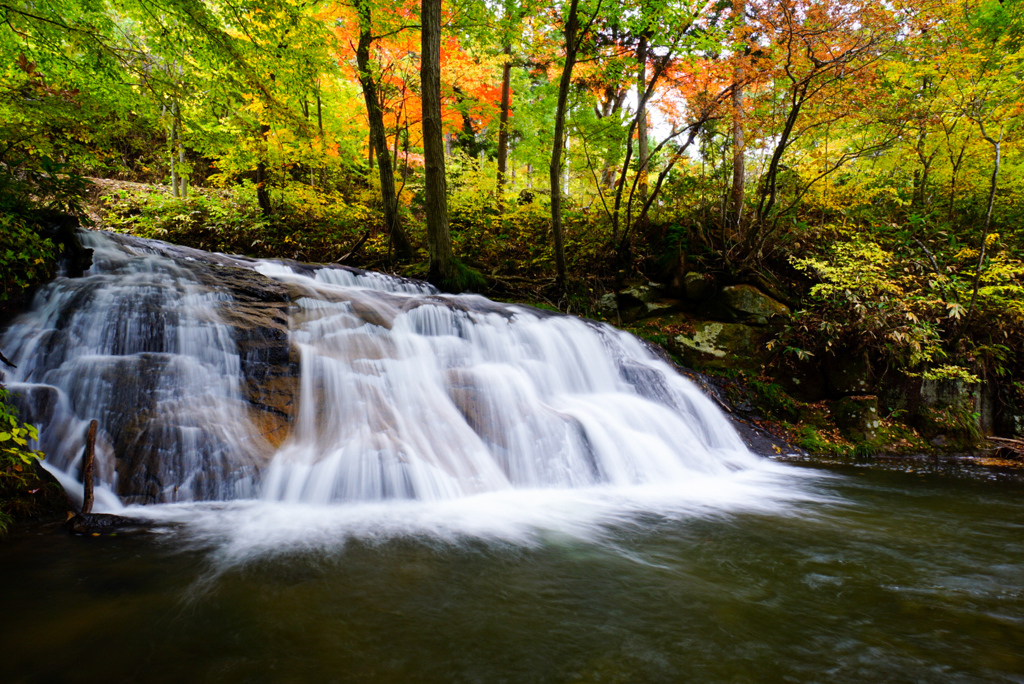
[(699, 287), (107, 525), (724, 346), (857, 417), (747, 304), (635, 302)]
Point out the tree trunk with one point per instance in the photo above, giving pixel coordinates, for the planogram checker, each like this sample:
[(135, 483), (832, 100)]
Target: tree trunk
[(178, 176), (378, 138), (173, 144), (442, 269), (506, 96), (997, 144), (262, 195), (555, 170), (87, 468), (739, 171), (642, 151)]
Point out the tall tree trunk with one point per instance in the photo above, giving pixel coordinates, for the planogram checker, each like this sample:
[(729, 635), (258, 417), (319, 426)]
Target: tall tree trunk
[(442, 271), (739, 170), (174, 144), (319, 111), (262, 195), (378, 138), (739, 143), (614, 98), (506, 96), (555, 170), (320, 127), (997, 145), (643, 153), (182, 177)]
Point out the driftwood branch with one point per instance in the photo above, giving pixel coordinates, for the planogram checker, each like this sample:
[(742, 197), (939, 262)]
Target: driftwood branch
[(1010, 447), (351, 252), (90, 455)]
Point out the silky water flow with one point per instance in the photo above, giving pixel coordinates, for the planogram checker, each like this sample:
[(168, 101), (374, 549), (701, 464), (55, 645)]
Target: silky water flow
[(272, 406)]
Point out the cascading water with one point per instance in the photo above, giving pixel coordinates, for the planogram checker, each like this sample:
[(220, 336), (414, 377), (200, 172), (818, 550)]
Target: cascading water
[(218, 378)]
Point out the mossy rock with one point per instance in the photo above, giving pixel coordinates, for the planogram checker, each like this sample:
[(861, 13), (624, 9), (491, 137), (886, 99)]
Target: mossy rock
[(747, 304), (721, 346), (857, 418), (699, 287)]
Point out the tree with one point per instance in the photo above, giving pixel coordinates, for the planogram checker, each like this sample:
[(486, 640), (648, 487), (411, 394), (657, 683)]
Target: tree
[(821, 49), (574, 32), (443, 268), (378, 136)]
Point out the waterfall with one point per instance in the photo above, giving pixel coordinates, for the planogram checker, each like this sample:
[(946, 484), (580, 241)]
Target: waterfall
[(217, 378)]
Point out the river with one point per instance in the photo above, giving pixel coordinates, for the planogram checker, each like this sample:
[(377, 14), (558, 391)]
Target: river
[(822, 576)]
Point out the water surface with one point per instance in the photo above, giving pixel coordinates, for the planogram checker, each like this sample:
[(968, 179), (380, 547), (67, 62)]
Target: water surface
[(792, 576)]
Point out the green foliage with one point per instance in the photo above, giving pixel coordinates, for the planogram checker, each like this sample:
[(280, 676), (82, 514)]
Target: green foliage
[(25, 257), (17, 460), (773, 399), (949, 372), (939, 317), (809, 439), (308, 224)]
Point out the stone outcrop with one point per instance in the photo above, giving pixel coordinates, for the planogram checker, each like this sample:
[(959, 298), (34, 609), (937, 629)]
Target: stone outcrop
[(723, 346), (747, 304)]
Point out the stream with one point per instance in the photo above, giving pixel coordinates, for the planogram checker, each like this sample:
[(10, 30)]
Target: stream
[(825, 577), (354, 478)]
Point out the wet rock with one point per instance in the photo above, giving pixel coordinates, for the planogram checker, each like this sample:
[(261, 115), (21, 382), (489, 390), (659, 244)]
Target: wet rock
[(857, 418), (36, 404), (107, 525), (474, 405), (258, 313)]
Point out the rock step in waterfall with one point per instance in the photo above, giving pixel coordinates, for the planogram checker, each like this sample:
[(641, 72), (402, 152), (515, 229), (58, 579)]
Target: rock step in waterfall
[(218, 378)]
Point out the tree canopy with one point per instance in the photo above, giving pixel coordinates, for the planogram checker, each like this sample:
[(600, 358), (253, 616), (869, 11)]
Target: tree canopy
[(581, 143)]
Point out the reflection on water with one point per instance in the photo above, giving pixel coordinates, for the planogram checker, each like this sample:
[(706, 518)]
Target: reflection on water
[(869, 577)]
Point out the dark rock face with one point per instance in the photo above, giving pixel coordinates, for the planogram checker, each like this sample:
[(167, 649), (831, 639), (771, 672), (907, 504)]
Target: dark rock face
[(36, 404), (698, 287), (849, 374), (258, 314), (183, 357)]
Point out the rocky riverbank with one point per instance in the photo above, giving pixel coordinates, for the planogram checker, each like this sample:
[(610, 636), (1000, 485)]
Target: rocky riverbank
[(834, 407)]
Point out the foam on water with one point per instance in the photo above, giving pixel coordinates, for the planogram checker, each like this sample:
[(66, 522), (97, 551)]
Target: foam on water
[(242, 531)]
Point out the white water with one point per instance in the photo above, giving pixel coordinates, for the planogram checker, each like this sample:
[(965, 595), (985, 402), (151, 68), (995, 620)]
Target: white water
[(403, 394)]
